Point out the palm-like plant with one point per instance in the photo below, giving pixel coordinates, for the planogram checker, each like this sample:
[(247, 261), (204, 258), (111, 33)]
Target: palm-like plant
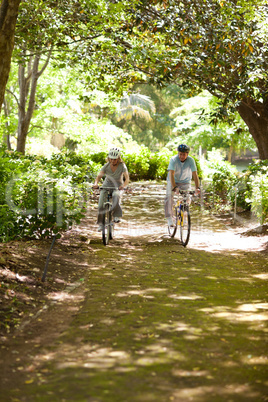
[(135, 105)]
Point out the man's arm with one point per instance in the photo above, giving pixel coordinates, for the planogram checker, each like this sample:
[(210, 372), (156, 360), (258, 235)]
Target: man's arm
[(172, 178), (196, 181)]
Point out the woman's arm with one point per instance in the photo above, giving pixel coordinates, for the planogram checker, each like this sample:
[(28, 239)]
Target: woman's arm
[(126, 181), (100, 175)]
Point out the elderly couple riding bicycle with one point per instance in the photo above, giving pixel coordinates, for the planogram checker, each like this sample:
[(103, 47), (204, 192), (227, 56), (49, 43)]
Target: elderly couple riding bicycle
[(181, 170)]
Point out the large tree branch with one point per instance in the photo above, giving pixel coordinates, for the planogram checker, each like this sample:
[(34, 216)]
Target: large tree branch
[(15, 96), (46, 62)]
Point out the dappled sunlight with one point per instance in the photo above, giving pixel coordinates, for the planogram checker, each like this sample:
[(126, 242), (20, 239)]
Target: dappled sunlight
[(242, 313), (63, 296), (213, 392), (213, 238), (185, 297), (179, 327), (261, 276), (140, 292), (226, 240), (100, 358), (144, 216), (253, 307), (7, 273), (254, 360), (191, 373), (154, 321), (232, 316)]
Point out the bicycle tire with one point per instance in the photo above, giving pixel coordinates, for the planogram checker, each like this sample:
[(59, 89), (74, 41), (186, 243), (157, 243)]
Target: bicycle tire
[(185, 225), (106, 226), (172, 230), (111, 233)]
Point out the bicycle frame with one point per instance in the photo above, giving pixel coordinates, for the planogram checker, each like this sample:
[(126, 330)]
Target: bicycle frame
[(182, 216), (108, 224)]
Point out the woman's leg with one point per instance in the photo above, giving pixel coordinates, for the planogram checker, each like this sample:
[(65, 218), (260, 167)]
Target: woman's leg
[(117, 210), (100, 207)]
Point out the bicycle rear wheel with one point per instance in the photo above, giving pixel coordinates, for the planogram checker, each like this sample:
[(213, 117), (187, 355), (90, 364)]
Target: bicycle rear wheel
[(106, 226), (185, 224), (173, 229)]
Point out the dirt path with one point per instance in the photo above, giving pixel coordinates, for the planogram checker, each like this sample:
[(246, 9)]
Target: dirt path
[(145, 319)]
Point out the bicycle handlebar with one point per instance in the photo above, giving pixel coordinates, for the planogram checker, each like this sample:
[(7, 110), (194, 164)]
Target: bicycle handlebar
[(186, 192), (108, 188)]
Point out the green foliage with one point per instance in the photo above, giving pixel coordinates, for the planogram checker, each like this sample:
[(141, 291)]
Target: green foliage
[(221, 47), (219, 176), (100, 157), (144, 164), (255, 181), (40, 197), (158, 164), (223, 184), (91, 35), (137, 163), (153, 132), (193, 121)]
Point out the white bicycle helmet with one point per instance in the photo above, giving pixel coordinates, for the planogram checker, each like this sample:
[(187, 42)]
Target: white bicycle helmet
[(114, 153)]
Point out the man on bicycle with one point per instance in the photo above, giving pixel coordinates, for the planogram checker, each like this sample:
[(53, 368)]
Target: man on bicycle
[(181, 170)]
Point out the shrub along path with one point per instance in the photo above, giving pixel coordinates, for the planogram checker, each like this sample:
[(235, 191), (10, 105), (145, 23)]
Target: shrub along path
[(143, 319)]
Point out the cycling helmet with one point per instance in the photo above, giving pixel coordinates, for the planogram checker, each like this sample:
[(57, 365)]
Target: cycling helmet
[(114, 153), (183, 148)]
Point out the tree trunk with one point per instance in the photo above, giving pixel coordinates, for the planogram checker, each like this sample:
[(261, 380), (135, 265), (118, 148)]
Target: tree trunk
[(8, 18), (28, 85), (6, 134), (255, 115)]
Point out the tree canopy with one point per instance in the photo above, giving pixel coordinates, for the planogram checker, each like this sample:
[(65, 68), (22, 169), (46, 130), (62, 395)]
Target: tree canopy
[(216, 45)]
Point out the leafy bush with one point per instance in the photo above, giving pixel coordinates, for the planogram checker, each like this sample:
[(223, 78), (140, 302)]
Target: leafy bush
[(256, 189), (158, 164), (220, 178), (144, 165), (99, 157), (137, 163), (41, 197)]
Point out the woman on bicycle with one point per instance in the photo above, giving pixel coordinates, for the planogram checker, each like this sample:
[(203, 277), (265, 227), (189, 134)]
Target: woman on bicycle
[(181, 170), (117, 177)]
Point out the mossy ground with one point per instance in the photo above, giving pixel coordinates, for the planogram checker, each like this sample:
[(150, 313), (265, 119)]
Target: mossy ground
[(150, 321)]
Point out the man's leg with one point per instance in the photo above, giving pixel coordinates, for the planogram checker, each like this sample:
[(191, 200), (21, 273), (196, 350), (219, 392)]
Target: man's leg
[(169, 203)]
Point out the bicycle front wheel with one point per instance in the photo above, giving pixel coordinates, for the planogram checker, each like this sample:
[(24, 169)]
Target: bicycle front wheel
[(173, 229), (106, 226), (185, 225), (111, 233)]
